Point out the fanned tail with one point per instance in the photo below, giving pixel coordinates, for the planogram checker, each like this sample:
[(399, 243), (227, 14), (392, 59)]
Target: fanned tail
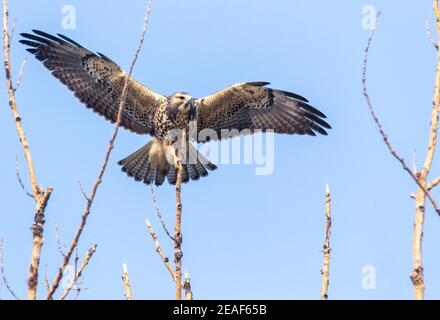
[(151, 163)]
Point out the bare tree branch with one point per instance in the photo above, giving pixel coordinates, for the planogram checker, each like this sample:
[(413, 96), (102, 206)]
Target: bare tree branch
[(20, 181), (58, 238), (79, 272), (433, 183), (325, 271), (159, 250), (429, 35), (98, 181), (40, 195), (3, 273), (158, 212), (127, 286), (20, 75)]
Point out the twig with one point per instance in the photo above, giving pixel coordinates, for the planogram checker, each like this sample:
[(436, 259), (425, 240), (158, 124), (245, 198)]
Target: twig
[(98, 181), (187, 287), (20, 181), (429, 35), (20, 75), (159, 250), (158, 212), (414, 161), (81, 188), (40, 195), (127, 286), (3, 273), (326, 267), (78, 273), (433, 183), (58, 238), (46, 280)]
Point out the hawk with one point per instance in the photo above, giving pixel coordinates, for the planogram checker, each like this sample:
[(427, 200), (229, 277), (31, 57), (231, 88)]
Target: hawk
[(97, 81)]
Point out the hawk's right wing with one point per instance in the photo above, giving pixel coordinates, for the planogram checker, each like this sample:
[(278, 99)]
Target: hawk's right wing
[(96, 80), (254, 107)]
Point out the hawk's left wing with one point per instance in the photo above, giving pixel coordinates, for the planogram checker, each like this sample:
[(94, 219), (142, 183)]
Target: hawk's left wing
[(252, 106), (96, 80)]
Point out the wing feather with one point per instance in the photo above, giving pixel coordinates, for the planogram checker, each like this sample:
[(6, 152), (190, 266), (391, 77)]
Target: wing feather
[(95, 80), (253, 106)]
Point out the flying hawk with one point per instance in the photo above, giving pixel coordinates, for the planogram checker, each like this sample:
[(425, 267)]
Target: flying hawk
[(97, 82)]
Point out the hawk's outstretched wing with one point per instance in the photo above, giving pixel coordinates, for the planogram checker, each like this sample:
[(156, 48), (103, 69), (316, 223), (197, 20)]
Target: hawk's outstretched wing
[(252, 106), (95, 79)]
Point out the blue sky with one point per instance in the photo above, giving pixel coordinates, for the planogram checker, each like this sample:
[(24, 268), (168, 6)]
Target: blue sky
[(245, 236)]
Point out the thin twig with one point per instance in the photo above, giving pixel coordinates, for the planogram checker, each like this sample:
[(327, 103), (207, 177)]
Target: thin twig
[(81, 188), (98, 181), (159, 250), (20, 75), (325, 271), (429, 35), (127, 286), (46, 279), (158, 212), (40, 195), (3, 273), (78, 273), (433, 183), (58, 238), (20, 181), (414, 161)]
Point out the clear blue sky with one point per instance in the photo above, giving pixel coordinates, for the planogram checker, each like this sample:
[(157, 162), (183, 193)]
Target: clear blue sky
[(245, 236)]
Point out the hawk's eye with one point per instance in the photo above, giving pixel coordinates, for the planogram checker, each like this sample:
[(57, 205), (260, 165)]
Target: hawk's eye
[(182, 98)]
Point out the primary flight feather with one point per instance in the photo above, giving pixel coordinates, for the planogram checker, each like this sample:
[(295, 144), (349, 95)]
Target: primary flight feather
[(242, 108)]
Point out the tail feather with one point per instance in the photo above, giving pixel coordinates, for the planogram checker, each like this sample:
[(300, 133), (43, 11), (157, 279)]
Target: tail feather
[(149, 164), (172, 175)]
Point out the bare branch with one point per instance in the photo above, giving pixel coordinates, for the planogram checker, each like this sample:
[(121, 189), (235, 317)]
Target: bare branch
[(98, 181), (3, 273), (78, 273), (20, 181), (159, 250), (433, 183), (325, 271), (127, 286), (40, 195), (429, 35), (81, 188), (20, 75), (58, 238), (159, 214), (46, 280)]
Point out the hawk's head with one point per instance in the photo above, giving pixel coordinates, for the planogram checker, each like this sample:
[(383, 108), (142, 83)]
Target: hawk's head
[(183, 103)]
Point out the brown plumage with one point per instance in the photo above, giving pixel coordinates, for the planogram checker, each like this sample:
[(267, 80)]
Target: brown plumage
[(97, 81)]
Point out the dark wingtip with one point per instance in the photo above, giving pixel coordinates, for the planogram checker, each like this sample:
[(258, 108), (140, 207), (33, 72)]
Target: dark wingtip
[(258, 83), (65, 38)]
